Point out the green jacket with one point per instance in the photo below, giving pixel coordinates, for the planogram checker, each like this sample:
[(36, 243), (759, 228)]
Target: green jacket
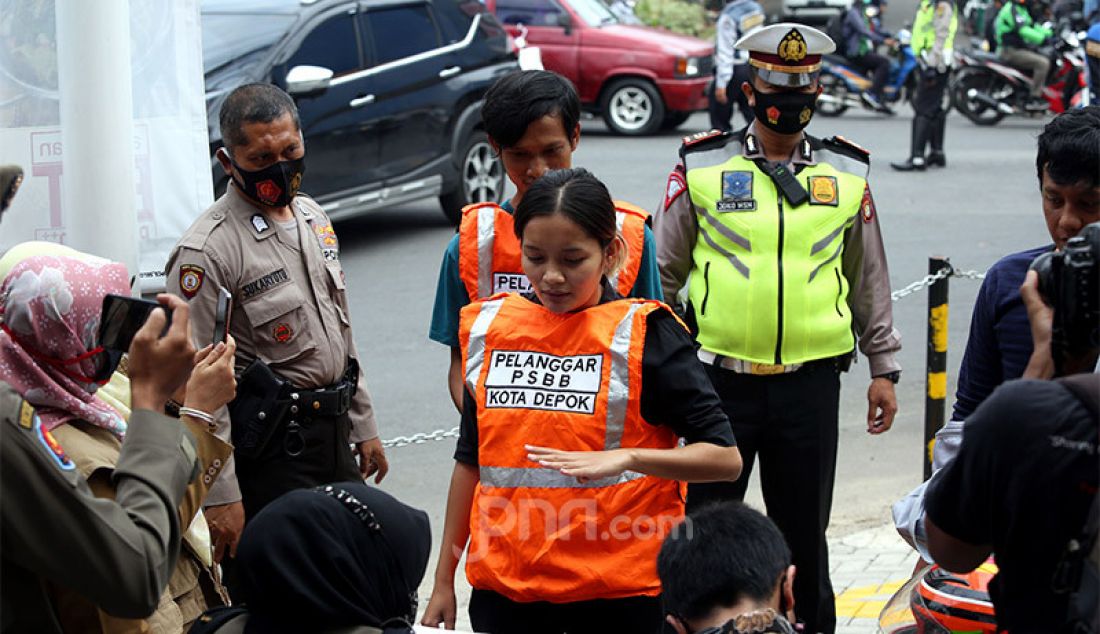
[(1014, 27)]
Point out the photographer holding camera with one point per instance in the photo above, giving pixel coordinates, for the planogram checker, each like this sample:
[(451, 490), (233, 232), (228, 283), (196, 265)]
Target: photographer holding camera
[(999, 345), (1024, 483)]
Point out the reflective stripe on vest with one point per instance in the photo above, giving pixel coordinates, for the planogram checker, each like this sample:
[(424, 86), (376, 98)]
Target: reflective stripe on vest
[(536, 534), (489, 258), (758, 256)]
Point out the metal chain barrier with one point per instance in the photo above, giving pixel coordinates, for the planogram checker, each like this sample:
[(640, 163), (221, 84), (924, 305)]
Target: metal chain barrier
[(929, 280), (417, 439), (919, 285)]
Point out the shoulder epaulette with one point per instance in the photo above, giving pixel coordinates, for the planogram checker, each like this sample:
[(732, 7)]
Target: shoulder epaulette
[(701, 140), (196, 236), (848, 148)]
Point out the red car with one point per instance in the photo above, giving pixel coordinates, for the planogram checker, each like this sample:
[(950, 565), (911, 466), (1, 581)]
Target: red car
[(640, 79)]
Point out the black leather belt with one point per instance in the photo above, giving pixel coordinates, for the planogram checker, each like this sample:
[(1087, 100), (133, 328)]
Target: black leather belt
[(334, 400)]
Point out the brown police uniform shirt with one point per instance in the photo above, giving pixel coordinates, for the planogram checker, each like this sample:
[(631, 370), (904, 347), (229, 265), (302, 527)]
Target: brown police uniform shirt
[(117, 553), (676, 228), (290, 306)]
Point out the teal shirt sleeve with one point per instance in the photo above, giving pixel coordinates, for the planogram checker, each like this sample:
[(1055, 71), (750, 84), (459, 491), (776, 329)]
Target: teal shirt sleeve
[(648, 284), (450, 297)]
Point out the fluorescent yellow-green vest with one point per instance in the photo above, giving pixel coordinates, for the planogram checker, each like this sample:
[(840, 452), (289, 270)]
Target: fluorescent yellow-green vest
[(766, 284), (924, 33)]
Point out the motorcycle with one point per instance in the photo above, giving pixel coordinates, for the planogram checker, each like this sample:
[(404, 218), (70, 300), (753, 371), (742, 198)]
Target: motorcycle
[(842, 84), (936, 601), (986, 90)]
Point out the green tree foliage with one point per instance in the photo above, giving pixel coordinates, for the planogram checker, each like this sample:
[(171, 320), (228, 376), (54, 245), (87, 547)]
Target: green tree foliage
[(680, 16)]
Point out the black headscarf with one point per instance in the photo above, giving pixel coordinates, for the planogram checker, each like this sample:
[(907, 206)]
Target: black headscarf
[(314, 559)]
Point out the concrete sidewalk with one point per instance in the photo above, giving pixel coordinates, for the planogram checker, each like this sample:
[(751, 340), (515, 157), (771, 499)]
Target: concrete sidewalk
[(867, 567)]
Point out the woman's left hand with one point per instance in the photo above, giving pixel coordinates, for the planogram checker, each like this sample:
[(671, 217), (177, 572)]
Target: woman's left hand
[(582, 465)]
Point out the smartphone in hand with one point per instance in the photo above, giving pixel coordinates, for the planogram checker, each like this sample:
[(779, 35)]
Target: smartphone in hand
[(222, 314), (122, 317)]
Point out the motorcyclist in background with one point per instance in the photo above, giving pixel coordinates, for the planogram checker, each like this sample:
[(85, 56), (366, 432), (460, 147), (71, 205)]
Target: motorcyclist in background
[(1019, 34), (863, 34)]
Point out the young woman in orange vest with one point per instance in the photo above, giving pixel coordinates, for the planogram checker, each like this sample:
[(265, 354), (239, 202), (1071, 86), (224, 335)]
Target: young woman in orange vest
[(569, 470)]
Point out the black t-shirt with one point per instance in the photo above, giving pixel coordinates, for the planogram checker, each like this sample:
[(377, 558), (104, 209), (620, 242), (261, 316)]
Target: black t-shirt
[(675, 390), (1023, 482)]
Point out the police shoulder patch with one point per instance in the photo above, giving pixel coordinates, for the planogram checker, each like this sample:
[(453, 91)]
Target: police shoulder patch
[(677, 185), (52, 447), (867, 206), (191, 278)]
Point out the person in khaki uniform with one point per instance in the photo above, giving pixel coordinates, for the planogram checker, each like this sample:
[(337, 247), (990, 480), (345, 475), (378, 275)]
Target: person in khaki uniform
[(117, 553), (302, 398), (51, 298)]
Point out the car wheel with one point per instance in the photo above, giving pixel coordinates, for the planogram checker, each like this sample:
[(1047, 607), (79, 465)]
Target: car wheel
[(633, 107), (674, 120), (481, 177)]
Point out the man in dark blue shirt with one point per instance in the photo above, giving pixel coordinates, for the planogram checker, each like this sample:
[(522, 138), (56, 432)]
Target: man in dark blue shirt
[(999, 346), (1069, 181)]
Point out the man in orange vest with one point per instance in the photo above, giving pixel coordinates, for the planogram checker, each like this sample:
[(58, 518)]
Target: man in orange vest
[(532, 119)]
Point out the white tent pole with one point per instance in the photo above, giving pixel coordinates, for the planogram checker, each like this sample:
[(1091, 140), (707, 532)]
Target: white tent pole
[(97, 131)]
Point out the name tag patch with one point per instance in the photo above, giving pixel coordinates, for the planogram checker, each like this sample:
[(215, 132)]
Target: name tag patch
[(264, 283), (536, 380), (511, 283), (736, 192)]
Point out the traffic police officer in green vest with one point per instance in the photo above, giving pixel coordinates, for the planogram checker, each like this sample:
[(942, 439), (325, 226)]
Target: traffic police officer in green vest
[(776, 236), (933, 40)]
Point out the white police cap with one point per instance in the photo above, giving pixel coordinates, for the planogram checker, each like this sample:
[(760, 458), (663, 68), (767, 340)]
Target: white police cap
[(786, 54)]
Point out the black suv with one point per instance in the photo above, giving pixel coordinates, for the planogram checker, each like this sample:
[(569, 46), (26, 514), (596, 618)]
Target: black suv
[(389, 93)]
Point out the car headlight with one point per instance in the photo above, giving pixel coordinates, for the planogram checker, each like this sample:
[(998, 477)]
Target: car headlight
[(688, 66)]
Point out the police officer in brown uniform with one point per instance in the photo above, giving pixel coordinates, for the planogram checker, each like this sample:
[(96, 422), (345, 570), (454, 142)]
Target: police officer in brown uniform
[(301, 397), (117, 553)]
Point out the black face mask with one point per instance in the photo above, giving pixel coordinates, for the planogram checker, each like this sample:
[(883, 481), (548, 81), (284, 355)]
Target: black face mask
[(785, 112), (274, 185)]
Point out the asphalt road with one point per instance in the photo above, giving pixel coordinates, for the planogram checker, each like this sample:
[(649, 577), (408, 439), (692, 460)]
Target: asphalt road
[(986, 204)]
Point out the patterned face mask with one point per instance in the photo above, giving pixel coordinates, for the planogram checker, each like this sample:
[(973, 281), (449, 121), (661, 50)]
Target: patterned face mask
[(275, 185)]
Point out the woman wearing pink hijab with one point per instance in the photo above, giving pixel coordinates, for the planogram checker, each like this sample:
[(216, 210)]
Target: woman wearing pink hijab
[(50, 309)]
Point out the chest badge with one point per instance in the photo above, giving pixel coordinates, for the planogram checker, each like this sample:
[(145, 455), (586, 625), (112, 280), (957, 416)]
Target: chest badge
[(823, 190), (282, 332), (736, 192)]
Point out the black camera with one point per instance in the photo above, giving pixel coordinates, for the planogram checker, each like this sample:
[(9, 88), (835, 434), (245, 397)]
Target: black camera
[(1069, 281)]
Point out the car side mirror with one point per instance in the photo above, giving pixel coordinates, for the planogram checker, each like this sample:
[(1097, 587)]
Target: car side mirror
[(304, 81), (565, 21)]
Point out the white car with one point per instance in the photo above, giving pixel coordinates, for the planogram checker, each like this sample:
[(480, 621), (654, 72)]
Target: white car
[(813, 11)]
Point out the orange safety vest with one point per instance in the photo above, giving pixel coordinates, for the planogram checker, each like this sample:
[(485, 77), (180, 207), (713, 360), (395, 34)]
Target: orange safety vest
[(489, 252), (572, 382)]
